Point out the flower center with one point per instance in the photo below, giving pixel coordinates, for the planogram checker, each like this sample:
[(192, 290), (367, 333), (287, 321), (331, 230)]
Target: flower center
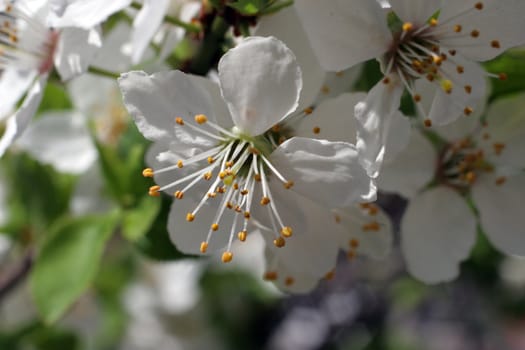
[(25, 42), (417, 52), (234, 166), (461, 163)]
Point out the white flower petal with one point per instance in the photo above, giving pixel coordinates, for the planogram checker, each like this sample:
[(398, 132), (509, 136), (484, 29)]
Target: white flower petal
[(155, 101), (500, 20), (174, 34), (398, 136), (285, 26), (344, 32), (506, 125), (112, 56), (370, 242), (447, 107), (14, 83), (374, 118), (19, 121), (62, 140), (145, 25), (326, 172), (415, 12), (312, 250), (501, 211), (188, 236), (260, 81), (411, 170), (332, 120), (75, 51), (438, 230), (83, 13)]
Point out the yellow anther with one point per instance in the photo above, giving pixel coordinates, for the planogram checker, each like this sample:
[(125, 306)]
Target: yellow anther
[(337, 218), (179, 121), (433, 22), (265, 200), (468, 111), (201, 119), (289, 281), (495, 44), (417, 98), (330, 275), (279, 242), (288, 185), (154, 191), (437, 60), (179, 194), (498, 147), (470, 177), (479, 6), (148, 172), (242, 235), (371, 226), (180, 164), (486, 136), (316, 130), (221, 190), (502, 76), (287, 231), (308, 110), (373, 210), (386, 81), (210, 160), (257, 177), (325, 89), (244, 192), (458, 28), (207, 176), (190, 217), (474, 33), (430, 77), (212, 194), (270, 276), (236, 186), (214, 227), (452, 52), (247, 215), (354, 243), (427, 123), (460, 69), (229, 205), (501, 180), (276, 128), (238, 209), (228, 164), (204, 247), (222, 175), (468, 89), (407, 26), (447, 85), (227, 257)]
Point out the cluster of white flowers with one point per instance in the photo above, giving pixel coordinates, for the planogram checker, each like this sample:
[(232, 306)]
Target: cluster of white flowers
[(275, 143)]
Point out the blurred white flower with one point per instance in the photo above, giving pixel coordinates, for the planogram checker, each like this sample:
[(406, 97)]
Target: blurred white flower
[(30, 50), (485, 165), (429, 48)]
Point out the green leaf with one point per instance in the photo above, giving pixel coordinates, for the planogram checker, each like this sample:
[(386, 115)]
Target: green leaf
[(513, 65), (68, 262), (39, 204), (248, 7), (137, 221), (156, 244), (55, 98)]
